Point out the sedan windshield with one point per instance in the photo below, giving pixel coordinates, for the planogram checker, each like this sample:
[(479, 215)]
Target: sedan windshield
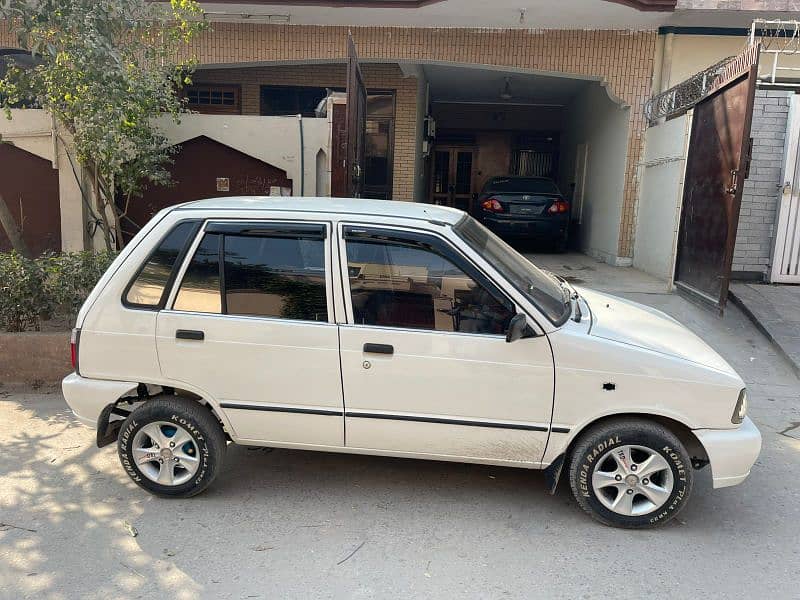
[(541, 288)]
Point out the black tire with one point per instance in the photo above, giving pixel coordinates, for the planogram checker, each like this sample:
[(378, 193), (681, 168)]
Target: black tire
[(206, 434), (562, 245), (594, 445)]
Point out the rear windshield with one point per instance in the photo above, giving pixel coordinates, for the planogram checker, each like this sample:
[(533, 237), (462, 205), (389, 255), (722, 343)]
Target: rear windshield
[(521, 185)]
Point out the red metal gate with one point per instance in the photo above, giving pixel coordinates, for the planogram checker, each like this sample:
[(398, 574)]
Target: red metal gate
[(356, 123), (716, 167)]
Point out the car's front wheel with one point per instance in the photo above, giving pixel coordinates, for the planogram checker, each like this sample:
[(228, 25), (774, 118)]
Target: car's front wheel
[(171, 447), (631, 473)]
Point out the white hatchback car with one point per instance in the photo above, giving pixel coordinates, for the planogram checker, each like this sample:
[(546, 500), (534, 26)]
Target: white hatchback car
[(394, 329)]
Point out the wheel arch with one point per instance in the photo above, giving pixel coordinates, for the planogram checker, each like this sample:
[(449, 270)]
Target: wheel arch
[(683, 432), (154, 390)]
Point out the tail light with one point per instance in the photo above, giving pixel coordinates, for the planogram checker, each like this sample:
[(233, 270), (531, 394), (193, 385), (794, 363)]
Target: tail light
[(559, 207), (73, 347), (492, 205)]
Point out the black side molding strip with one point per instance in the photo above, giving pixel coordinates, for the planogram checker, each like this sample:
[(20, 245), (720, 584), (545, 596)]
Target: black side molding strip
[(364, 415), (285, 409), (390, 417)]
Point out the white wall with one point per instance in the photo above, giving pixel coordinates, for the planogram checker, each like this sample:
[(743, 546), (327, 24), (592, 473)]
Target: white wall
[(593, 118), (660, 197), (678, 57), (274, 140)]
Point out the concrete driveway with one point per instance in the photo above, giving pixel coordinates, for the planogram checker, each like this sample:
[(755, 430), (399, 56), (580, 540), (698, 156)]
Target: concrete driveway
[(286, 524)]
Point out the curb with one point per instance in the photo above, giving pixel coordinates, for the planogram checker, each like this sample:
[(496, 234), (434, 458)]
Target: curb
[(775, 344)]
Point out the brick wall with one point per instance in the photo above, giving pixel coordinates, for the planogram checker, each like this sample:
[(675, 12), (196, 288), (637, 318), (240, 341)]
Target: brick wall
[(622, 59), (754, 238), (376, 76)]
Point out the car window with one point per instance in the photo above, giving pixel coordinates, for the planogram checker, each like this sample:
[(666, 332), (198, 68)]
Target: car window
[(521, 185), (540, 287), (200, 289), (410, 285), (147, 289), (265, 276), (280, 277)]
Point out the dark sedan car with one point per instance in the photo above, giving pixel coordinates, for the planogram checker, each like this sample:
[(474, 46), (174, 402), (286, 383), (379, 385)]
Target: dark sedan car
[(525, 209)]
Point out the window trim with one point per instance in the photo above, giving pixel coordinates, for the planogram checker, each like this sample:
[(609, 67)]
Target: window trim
[(216, 109), (442, 246), (166, 293), (231, 227)]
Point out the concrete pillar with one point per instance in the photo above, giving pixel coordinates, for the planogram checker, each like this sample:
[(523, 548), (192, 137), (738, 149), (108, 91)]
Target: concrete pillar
[(74, 236)]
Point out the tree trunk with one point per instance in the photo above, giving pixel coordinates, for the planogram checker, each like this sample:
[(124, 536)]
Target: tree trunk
[(12, 229), (100, 204)]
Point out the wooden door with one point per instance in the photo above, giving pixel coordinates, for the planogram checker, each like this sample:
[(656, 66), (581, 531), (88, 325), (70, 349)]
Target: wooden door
[(716, 167), (356, 122), (453, 176)]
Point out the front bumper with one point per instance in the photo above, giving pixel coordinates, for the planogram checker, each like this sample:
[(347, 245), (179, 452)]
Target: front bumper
[(88, 397), (731, 452)]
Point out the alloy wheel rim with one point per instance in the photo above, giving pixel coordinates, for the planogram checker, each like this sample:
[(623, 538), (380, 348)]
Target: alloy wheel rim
[(166, 453), (632, 480)]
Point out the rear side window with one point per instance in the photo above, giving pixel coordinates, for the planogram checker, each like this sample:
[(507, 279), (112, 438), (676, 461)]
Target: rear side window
[(281, 276), (275, 277), (199, 291), (147, 290)]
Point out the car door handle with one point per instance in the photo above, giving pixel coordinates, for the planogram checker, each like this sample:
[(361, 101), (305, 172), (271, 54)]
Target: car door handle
[(189, 334), (379, 348)]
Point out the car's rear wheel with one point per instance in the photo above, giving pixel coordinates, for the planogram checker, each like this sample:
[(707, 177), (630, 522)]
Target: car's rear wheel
[(171, 447), (631, 473)]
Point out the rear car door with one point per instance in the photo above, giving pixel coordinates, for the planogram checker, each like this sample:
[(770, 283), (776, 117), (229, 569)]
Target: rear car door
[(426, 368), (249, 320)]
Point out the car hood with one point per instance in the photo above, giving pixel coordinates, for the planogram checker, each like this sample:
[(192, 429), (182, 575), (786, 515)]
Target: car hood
[(628, 322)]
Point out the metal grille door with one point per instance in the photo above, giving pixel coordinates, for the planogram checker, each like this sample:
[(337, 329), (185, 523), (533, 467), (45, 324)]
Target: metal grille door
[(786, 260), (716, 167)]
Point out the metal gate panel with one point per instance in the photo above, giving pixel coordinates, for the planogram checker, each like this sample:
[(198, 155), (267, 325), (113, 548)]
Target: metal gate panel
[(786, 258), (716, 167)]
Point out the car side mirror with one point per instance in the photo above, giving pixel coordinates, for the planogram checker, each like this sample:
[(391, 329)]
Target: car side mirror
[(517, 328)]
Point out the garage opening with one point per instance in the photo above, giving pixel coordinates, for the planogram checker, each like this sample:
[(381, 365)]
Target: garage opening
[(485, 123)]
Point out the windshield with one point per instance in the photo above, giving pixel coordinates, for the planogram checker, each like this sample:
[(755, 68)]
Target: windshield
[(521, 185), (541, 288)]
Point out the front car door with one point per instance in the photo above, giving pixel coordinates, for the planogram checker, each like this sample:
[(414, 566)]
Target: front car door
[(250, 323), (426, 369)]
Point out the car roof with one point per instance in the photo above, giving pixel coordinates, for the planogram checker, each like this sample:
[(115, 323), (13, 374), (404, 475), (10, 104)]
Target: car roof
[(344, 206)]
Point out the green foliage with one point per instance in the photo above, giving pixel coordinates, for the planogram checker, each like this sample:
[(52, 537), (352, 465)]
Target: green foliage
[(22, 295), (71, 276), (106, 69), (52, 286)]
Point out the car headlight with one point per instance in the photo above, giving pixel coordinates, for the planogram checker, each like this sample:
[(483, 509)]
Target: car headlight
[(740, 410)]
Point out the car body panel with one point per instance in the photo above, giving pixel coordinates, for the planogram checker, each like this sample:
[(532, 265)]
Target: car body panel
[(731, 452), (505, 392), (531, 397), (88, 396), (634, 324), (546, 228)]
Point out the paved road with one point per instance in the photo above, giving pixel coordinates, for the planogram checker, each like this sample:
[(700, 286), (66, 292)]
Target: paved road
[(285, 524)]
